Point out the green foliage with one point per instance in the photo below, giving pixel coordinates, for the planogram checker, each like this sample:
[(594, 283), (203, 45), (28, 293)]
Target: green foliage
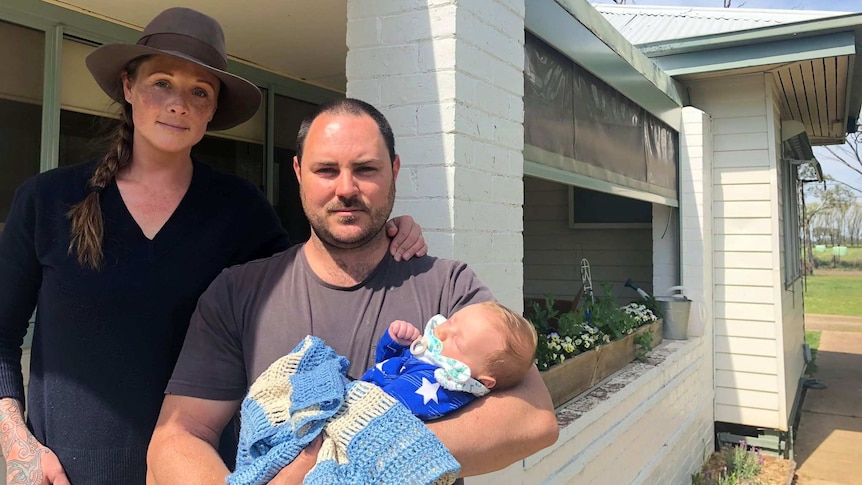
[(651, 304), (834, 294), (643, 344), (742, 462), (543, 319), (607, 316)]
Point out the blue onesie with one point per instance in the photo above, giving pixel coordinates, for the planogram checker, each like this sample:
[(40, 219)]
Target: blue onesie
[(411, 379)]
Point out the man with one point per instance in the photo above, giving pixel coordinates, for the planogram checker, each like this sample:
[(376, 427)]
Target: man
[(342, 286)]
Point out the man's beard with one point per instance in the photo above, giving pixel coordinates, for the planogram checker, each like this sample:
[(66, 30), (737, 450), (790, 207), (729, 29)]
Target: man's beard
[(320, 224)]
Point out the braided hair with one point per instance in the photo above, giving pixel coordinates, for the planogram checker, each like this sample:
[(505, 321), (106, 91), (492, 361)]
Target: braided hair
[(87, 222)]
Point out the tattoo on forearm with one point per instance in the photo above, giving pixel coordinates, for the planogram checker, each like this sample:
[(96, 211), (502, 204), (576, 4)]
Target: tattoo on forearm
[(22, 451)]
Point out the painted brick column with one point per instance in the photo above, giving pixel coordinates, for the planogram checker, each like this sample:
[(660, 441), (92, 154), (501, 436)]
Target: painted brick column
[(695, 200), (449, 77), (687, 231)]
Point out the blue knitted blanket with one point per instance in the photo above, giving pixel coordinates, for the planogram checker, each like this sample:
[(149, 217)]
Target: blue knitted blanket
[(369, 437)]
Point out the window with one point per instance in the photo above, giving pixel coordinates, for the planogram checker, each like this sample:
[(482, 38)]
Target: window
[(239, 150), (289, 114), (86, 112), (22, 57), (590, 209), (790, 214)]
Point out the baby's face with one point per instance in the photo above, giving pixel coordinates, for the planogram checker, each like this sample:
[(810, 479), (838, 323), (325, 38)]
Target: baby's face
[(471, 335)]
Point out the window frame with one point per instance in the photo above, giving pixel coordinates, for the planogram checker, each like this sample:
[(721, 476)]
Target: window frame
[(790, 194)]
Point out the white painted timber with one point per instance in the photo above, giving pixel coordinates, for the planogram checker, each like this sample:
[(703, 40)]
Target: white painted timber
[(764, 347), (742, 294), (766, 418), (746, 398), (744, 328), (746, 363), (746, 380)]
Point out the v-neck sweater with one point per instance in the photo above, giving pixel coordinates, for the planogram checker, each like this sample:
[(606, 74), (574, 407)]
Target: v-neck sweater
[(105, 342)]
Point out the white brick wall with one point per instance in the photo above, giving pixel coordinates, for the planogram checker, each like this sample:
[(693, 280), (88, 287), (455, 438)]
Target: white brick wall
[(449, 76)]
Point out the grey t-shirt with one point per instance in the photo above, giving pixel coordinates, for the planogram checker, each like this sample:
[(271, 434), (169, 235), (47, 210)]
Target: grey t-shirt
[(255, 313)]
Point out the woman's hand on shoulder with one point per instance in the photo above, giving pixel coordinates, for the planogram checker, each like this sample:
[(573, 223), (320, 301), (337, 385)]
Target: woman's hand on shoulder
[(407, 240)]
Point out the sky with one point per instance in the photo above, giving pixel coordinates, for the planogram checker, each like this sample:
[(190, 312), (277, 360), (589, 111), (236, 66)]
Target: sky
[(830, 166)]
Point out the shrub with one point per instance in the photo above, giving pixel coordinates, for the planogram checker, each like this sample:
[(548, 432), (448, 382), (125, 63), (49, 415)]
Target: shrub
[(741, 465)]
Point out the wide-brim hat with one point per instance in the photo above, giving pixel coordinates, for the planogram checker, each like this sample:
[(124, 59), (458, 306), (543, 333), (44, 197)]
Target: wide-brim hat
[(188, 35)]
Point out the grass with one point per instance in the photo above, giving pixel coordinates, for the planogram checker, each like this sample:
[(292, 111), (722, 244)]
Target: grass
[(812, 338), (852, 260), (834, 294)]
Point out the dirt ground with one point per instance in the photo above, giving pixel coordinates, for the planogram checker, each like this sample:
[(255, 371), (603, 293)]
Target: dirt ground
[(842, 272)]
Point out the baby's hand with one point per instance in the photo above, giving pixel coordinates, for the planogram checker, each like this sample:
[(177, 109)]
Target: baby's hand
[(403, 332)]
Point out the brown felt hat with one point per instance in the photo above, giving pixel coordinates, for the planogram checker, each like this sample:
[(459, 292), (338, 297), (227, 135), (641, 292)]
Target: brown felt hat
[(188, 35)]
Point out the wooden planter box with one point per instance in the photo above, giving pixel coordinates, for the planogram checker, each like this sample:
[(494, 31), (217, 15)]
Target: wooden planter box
[(583, 371)]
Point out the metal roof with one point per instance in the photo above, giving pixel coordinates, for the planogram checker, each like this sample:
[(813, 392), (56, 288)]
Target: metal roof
[(812, 55), (646, 24)]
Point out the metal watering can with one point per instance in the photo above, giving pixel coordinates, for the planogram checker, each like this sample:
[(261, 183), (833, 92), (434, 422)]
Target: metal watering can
[(676, 308)]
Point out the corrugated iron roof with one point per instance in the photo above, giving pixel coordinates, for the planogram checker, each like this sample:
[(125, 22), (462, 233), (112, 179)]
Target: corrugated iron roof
[(641, 24)]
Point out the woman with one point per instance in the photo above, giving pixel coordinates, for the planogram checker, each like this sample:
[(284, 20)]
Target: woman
[(116, 253)]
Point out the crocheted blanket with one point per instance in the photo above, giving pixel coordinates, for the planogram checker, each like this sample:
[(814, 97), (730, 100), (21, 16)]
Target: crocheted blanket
[(369, 437)]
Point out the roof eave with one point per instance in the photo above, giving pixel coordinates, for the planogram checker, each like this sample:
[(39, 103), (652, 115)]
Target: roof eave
[(819, 38)]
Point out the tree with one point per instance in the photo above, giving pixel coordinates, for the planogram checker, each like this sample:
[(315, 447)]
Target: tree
[(826, 217), (854, 223), (850, 155)]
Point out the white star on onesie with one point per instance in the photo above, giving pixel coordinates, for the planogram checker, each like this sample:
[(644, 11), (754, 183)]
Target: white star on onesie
[(428, 391)]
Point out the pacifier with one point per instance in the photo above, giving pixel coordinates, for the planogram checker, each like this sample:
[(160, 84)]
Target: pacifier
[(419, 346), (428, 343), (452, 374)]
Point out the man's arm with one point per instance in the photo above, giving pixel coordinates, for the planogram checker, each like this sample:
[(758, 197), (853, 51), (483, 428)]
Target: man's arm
[(505, 427), (184, 443)]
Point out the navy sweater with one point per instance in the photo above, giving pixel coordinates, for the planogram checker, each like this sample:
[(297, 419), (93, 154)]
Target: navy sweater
[(106, 341)]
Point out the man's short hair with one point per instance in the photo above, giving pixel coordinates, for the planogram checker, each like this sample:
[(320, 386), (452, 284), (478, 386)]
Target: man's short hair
[(350, 106)]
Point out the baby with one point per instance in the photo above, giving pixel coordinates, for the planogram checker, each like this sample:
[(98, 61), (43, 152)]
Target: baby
[(481, 347)]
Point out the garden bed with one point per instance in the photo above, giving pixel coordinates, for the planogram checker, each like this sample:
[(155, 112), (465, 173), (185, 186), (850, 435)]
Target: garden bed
[(773, 471), (586, 370)]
